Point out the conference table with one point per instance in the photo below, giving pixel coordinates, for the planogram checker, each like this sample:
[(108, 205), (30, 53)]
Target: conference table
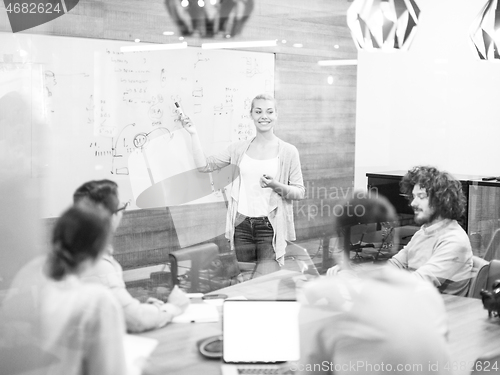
[(471, 332)]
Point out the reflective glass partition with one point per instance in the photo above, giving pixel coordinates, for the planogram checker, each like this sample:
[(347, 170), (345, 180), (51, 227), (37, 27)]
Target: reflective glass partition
[(484, 219), (98, 102)]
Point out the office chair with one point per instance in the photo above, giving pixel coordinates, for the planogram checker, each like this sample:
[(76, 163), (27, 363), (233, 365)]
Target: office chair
[(479, 276), (488, 363), (487, 273), (492, 250), (297, 258), (493, 273), (192, 260), (385, 250), (201, 268), (358, 230)]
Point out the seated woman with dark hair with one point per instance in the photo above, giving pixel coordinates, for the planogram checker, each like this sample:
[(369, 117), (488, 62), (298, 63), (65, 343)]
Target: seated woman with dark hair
[(371, 319), (108, 272), (64, 326)]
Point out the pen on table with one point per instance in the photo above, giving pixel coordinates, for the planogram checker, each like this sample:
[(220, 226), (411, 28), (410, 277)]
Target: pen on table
[(194, 295), (155, 302)]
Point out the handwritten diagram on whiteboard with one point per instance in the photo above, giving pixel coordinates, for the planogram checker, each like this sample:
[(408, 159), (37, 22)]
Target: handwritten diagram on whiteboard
[(109, 114)]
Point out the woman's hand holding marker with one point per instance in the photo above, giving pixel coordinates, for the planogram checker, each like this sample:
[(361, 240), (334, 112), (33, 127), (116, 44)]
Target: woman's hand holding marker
[(185, 120)]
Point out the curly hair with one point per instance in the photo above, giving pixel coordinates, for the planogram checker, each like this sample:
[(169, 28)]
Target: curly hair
[(445, 193)]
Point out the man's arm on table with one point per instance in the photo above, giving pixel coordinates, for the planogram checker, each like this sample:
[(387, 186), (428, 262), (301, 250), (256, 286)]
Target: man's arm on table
[(447, 264)]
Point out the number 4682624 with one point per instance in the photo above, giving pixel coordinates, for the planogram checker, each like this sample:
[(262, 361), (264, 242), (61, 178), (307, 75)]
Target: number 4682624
[(33, 8)]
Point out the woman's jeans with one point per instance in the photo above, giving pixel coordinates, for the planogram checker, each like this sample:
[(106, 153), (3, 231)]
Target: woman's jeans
[(253, 242)]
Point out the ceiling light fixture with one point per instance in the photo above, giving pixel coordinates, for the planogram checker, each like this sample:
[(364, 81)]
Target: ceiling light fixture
[(153, 47), (485, 32), (383, 24), (249, 44), (210, 18), (337, 62)]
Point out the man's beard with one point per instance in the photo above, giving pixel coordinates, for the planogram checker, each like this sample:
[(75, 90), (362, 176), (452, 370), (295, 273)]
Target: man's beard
[(426, 219)]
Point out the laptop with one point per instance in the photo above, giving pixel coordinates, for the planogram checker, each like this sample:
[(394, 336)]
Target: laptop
[(260, 337)]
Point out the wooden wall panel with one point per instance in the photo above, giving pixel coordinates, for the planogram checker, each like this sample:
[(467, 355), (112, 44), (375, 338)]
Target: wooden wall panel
[(318, 118)]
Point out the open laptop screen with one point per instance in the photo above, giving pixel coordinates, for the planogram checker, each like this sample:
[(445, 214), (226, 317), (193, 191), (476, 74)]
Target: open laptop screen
[(260, 331)]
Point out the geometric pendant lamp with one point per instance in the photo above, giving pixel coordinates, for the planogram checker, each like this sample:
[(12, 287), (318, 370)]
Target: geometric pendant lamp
[(485, 33), (210, 18), (386, 25)]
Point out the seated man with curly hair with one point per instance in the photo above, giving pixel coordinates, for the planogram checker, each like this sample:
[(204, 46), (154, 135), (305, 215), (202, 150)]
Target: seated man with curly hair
[(440, 250)]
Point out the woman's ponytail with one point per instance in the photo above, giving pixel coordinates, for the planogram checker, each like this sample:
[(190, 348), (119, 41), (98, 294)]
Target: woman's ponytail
[(81, 233)]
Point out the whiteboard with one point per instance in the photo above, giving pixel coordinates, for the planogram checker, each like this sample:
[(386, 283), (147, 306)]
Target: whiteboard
[(102, 109)]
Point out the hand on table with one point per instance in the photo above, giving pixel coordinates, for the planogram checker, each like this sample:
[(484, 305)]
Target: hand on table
[(155, 301), (177, 302)]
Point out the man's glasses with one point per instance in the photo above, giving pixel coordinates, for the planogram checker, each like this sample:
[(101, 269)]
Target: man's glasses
[(122, 208)]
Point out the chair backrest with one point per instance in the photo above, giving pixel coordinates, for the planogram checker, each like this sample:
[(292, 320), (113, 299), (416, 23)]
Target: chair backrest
[(206, 269), (297, 258), (493, 248), (199, 256), (484, 274), (479, 276), (493, 273)]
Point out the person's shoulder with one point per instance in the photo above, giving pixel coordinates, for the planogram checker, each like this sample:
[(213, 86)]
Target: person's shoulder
[(455, 226), (288, 150), (93, 294), (96, 302), (32, 273), (104, 265), (106, 271), (287, 146), (453, 231), (238, 147), (241, 143), (37, 263)]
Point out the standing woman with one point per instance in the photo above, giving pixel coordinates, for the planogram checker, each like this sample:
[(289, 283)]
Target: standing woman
[(268, 177), (62, 325)]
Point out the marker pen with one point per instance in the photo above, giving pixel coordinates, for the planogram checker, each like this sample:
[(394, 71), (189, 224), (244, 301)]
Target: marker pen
[(178, 109)]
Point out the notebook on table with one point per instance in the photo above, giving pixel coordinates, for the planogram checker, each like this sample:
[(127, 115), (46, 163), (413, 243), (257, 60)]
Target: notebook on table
[(260, 337)]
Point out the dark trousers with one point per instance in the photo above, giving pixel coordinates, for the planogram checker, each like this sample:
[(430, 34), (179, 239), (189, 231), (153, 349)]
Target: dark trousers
[(253, 242)]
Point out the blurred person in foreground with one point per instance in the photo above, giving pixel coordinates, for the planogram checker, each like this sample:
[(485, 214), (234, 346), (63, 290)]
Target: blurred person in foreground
[(53, 322), (107, 271), (370, 319), (440, 251)]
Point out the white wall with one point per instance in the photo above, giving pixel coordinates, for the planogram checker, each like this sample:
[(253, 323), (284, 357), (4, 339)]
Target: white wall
[(436, 104)]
